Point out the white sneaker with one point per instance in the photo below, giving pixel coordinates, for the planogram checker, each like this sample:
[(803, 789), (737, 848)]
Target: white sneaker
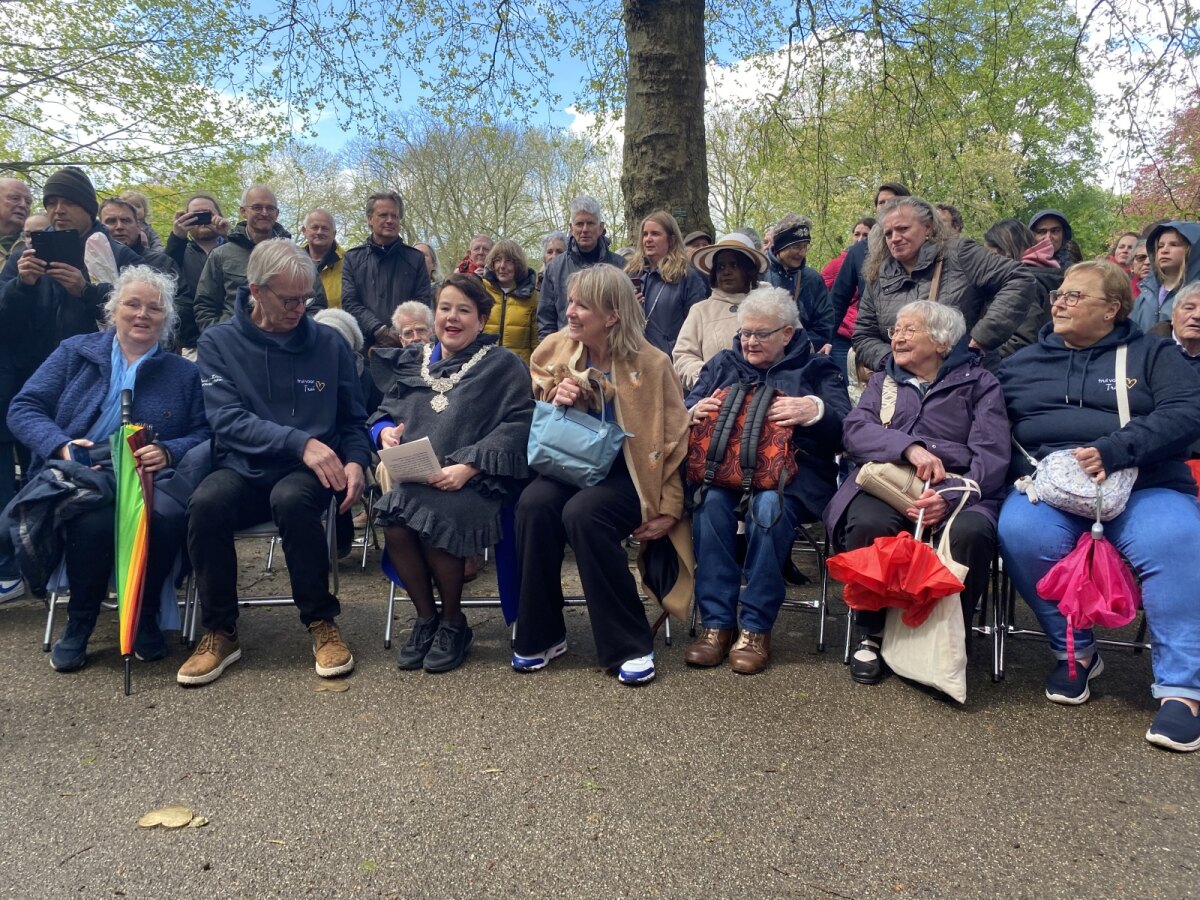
[(637, 671), (11, 589)]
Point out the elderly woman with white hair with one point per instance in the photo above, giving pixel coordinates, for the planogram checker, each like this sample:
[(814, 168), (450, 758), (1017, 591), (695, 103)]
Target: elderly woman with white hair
[(935, 408), (72, 406), (771, 349)]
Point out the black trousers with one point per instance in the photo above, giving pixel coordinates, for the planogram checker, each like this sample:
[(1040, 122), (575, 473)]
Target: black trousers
[(972, 543), (10, 453), (595, 521), (88, 550), (225, 502)]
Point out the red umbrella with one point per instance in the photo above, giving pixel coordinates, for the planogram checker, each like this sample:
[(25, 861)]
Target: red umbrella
[(1093, 586), (898, 570)]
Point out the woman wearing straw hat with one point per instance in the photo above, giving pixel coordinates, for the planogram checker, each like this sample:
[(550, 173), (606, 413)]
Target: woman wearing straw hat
[(732, 267)]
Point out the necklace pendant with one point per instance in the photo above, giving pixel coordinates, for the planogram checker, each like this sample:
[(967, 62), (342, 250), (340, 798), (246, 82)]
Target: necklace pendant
[(439, 403)]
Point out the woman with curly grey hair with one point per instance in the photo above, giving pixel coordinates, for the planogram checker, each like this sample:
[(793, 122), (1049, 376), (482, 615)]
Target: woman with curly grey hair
[(919, 260), (66, 414)]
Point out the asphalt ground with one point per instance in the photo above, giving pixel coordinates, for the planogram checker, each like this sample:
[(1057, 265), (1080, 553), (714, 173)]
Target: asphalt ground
[(563, 783)]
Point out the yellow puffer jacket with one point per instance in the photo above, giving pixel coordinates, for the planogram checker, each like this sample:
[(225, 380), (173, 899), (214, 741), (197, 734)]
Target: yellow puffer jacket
[(514, 315), (330, 270)]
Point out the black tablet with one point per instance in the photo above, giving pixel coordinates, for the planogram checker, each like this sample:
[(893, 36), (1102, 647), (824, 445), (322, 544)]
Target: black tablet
[(58, 246)]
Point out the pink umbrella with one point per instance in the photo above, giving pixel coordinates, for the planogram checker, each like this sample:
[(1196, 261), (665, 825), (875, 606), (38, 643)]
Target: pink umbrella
[(1093, 586)]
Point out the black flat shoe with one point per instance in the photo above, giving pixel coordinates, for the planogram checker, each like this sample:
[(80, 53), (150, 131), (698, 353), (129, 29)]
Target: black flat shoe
[(866, 664)]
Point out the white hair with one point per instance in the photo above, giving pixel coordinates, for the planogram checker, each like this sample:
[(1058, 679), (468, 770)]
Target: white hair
[(585, 204), (162, 283), (770, 302), (945, 324), (412, 309)]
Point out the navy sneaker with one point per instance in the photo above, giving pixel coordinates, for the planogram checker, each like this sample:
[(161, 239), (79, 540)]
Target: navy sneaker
[(1061, 688), (412, 654), (70, 651), (538, 660), (150, 645), (1175, 728), (637, 671), (451, 644)]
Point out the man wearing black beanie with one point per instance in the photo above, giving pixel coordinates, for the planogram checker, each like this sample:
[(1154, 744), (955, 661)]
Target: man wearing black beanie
[(43, 303)]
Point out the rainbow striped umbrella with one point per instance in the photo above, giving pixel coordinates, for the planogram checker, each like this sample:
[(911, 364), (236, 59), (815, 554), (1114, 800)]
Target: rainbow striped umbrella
[(134, 492)]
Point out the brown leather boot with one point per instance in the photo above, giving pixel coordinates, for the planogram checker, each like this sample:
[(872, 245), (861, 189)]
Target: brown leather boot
[(709, 648), (749, 655)]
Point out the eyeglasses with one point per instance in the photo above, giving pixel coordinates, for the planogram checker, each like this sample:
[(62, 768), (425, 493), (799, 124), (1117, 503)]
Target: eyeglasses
[(1071, 298), (1141, 257), (419, 331), (263, 208), (150, 309), (289, 303), (760, 335), (908, 331)]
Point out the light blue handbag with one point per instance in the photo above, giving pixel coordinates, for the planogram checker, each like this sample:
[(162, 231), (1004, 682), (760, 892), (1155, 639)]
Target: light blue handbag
[(572, 446)]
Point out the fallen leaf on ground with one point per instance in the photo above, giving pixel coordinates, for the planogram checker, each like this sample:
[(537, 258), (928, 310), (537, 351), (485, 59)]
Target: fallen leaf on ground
[(332, 687), (167, 817), (197, 822), (88, 760), (490, 771)]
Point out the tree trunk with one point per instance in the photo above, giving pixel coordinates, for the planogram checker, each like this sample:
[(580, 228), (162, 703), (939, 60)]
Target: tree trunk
[(665, 161)]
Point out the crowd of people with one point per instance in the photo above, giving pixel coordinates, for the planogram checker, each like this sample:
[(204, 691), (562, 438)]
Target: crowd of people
[(272, 372)]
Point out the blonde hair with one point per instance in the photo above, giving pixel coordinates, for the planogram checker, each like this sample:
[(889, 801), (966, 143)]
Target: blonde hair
[(1114, 282), (674, 265), (606, 289)]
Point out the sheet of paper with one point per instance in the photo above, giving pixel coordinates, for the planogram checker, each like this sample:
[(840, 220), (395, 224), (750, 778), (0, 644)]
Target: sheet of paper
[(411, 461)]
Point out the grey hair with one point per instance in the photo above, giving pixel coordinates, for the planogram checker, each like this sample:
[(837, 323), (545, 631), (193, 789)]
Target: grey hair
[(369, 206), (553, 236), (412, 309), (791, 220), (585, 204), (160, 281), (257, 187), (772, 302), (945, 324), (1187, 292), (278, 256)]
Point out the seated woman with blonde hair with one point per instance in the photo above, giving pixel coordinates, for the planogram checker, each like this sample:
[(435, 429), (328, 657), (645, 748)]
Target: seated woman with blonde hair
[(601, 359)]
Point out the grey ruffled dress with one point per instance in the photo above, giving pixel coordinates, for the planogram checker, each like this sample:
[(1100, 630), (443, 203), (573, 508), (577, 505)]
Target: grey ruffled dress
[(485, 425)]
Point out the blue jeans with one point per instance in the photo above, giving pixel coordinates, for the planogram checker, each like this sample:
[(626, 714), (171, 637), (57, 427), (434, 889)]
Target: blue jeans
[(1156, 533), (718, 575)]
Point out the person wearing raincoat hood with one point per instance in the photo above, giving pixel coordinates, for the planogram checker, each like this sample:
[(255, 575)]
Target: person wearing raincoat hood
[(1061, 393), (1174, 249)]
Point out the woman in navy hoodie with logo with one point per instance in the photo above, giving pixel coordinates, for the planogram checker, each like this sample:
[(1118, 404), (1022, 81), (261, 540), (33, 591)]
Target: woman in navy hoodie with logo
[(1061, 394)]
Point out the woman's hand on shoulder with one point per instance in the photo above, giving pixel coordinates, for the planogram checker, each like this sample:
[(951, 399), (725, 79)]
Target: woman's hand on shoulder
[(391, 436), (929, 467), (704, 408)]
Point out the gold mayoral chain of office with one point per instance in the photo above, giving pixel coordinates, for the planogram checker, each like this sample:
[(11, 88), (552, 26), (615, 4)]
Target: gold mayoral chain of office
[(443, 386)]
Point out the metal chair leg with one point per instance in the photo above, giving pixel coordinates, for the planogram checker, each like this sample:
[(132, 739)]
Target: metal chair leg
[(391, 608), (52, 602)]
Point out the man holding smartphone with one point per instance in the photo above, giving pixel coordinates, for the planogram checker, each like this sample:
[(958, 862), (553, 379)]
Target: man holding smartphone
[(44, 301)]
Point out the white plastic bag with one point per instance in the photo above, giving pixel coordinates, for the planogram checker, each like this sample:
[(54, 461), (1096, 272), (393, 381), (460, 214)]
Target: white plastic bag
[(99, 260)]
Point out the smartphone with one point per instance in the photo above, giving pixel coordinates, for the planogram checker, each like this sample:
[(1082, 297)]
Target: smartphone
[(79, 454), (637, 282), (58, 246), (202, 217)]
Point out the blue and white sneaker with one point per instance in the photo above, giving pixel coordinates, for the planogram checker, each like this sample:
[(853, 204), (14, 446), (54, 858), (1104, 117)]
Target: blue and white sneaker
[(11, 589), (637, 671), (538, 660), (1175, 728)]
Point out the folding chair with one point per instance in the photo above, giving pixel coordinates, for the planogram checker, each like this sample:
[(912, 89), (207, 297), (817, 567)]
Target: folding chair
[(268, 531), (1003, 599)]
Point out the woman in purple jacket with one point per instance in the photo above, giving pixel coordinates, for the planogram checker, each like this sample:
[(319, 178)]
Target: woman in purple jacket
[(948, 420)]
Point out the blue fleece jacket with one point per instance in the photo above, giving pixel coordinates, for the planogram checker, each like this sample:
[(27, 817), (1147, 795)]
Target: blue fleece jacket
[(62, 400), (799, 373), (1059, 398), (266, 394)]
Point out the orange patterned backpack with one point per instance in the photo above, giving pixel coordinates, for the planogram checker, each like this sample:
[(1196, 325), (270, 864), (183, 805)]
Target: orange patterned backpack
[(739, 448)]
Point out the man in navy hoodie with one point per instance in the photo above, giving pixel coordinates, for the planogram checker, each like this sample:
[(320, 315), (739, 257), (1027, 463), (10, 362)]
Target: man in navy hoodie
[(282, 396)]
